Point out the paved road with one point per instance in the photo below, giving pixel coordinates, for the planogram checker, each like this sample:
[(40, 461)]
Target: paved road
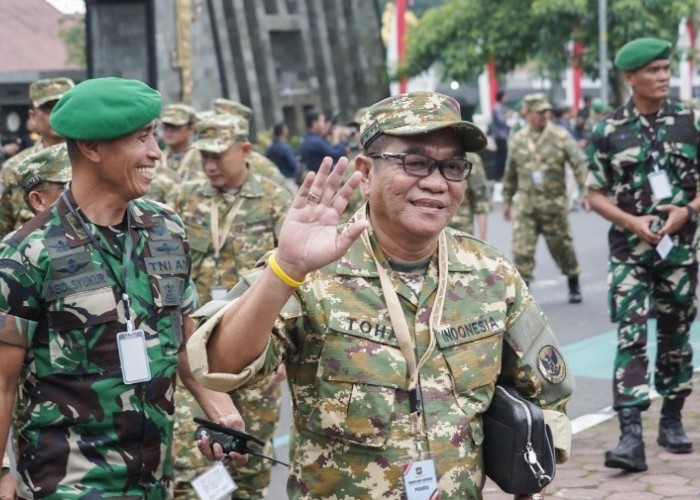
[(584, 330)]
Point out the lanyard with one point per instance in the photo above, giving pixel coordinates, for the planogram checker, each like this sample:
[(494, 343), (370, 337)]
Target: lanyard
[(219, 234), (398, 321), (128, 250)]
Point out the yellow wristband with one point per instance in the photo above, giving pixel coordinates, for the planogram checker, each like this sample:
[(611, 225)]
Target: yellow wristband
[(284, 277)]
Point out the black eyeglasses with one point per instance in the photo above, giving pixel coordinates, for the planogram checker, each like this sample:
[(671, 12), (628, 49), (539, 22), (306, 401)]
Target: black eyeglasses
[(452, 169)]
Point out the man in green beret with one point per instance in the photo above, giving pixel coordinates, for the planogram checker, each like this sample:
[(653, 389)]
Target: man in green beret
[(646, 154), (43, 176), (393, 327), (95, 298), (43, 95)]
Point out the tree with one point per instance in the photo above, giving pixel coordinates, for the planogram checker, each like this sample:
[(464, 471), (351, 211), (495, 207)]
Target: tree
[(463, 35), (73, 35)]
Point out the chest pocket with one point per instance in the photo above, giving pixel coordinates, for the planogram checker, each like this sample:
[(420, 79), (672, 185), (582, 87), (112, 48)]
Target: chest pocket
[(357, 384), (78, 343)]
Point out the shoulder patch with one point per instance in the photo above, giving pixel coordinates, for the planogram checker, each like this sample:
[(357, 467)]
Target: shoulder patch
[(551, 365)]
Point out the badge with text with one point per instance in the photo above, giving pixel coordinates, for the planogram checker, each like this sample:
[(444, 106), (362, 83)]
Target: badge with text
[(660, 185), (420, 480), (133, 356), (664, 246), (214, 484), (537, 177)]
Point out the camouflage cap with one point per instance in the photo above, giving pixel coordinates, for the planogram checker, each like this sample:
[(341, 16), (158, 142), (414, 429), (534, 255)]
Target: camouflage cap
[(178, 114), (48, 165), (222, 105), (49, 89), (419, 113), (640, 52), (536, 102), (218, 133)]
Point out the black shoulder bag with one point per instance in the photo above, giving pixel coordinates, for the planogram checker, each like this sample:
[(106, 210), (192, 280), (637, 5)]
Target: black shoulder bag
[(518, 445)]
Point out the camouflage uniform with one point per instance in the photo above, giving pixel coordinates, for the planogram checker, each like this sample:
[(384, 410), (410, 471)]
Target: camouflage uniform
[(621, 157), (252, 234), (13, 211), (351, 430), (87, 434), (476, 197), (534, 184)]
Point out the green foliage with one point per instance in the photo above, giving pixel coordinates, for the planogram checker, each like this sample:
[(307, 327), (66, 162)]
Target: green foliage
[(73, 37), (463, 35)]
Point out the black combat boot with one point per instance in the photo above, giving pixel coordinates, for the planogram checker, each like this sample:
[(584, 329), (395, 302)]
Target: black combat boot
[(574, 290), (671, 433), (629, 453)]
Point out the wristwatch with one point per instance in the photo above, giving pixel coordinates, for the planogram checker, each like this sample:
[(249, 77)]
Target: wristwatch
[(692, 214)]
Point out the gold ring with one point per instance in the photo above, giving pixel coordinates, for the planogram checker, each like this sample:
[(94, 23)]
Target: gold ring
[(314, 198)]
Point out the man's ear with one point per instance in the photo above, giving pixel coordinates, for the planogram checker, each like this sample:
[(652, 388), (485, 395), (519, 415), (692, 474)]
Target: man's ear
[(35, 202), (89, 149), (364, 164)]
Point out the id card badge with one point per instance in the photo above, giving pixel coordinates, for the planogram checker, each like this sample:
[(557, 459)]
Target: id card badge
[(664, 246), (217, 292), (133, 356), (660, 185), (420, 479), (537, 177), (214, 484)]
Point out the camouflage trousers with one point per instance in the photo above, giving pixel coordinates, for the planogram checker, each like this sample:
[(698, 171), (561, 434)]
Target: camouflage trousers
[(260, 409), (527, 226), (631, 289)]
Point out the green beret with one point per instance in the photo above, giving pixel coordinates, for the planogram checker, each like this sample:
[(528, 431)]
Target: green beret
[(640, 52), (105, 108)]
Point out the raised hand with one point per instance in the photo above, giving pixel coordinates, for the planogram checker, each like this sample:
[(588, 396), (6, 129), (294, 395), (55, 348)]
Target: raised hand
[(308, 238)]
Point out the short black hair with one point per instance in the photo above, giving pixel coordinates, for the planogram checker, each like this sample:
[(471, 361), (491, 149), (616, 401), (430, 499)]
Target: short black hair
[(311, 116), (500, 94), (278, 128)]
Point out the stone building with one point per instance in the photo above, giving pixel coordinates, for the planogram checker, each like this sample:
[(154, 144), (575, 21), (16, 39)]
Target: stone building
[(279, 57)]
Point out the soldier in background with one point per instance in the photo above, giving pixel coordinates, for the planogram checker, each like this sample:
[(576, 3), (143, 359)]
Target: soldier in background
[(476, 202), (232, 218), (258, 162), (534, 192), (646, 154), (43, 177), (44, 94), (180, 162)]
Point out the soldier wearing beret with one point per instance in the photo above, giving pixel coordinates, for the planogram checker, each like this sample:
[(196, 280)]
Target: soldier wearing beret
[(232, 218), (43, 176), (534, 192), (393, 327), (95, 298), (645, 154), (43, 94), (180, 162)]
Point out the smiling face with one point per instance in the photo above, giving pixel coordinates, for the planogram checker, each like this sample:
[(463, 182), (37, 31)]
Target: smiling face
[(128, 163), (411, 211)]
